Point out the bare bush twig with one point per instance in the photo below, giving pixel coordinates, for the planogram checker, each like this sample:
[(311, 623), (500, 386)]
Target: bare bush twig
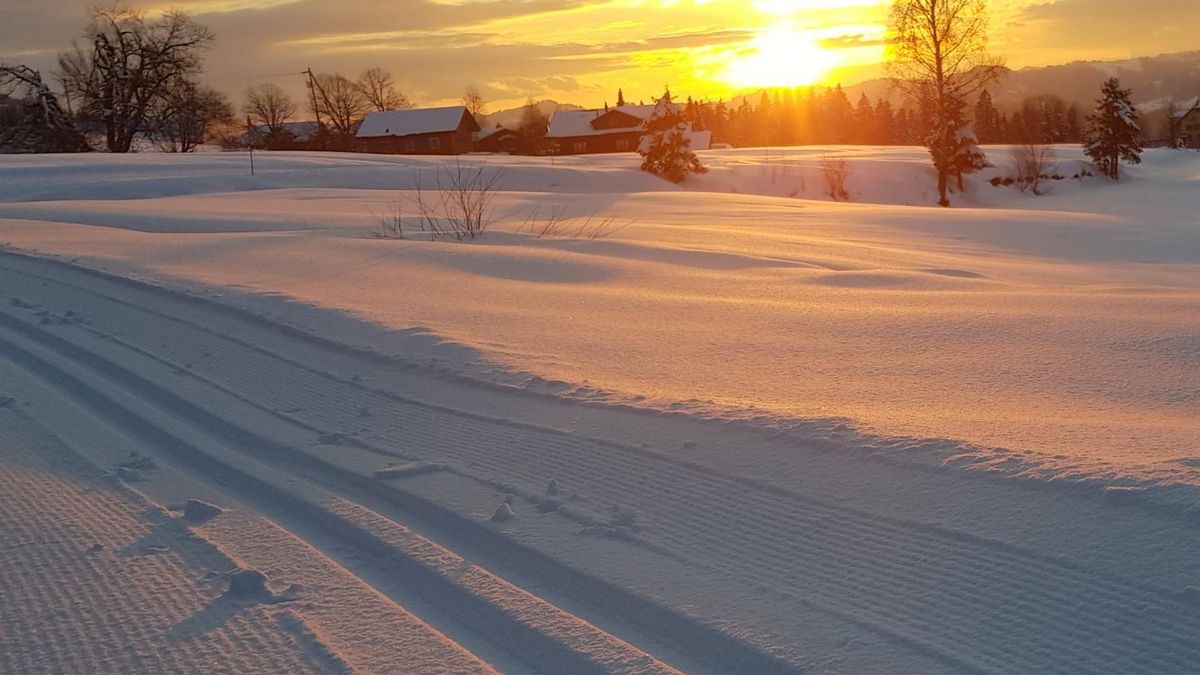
[(390, 225), (836, 170), (461, 205), (1033, 163), (556, 224)]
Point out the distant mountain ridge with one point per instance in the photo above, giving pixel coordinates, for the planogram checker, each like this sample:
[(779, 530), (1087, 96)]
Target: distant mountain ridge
[(511, 117), (1155, 81)]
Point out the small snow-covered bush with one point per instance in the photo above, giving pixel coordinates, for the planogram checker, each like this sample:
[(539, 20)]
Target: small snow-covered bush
[(665, 149)]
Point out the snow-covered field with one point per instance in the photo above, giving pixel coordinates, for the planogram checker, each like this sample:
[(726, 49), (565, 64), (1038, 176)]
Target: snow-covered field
[(748, 430)]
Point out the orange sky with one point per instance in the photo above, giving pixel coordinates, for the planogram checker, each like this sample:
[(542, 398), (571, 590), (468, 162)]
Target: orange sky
[(581, 51)]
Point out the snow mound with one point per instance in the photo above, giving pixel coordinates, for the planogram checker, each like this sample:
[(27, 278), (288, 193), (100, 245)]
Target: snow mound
[(248, 583), (503, 514), (198, 511)]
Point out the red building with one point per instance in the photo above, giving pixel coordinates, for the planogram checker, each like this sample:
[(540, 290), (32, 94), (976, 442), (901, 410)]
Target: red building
[(1185, 127), (424, 131), (581, 132)]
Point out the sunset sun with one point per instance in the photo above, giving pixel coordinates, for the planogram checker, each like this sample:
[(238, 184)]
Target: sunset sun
[(780, 58)]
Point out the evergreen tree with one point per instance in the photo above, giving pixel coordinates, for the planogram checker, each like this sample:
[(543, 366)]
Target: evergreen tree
[(665, 149), (1115, 134), (953, 146), (839, 116), (885, 123), (866, 127), (620, 97), (968, 157), (1074, 125), (987, 119)]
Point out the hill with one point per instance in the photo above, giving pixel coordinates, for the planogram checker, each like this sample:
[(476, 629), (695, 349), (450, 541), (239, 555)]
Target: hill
[(511, 117), (1155, 80)]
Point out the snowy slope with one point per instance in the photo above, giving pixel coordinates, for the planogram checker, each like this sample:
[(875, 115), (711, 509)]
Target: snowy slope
[(747, 432), (864, 313)]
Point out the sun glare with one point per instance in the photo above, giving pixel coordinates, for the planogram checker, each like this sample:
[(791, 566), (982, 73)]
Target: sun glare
[(780, 58)]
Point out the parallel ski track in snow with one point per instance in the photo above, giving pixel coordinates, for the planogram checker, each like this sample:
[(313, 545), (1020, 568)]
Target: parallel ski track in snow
[(545, 636), (66, 607), (970, 602)]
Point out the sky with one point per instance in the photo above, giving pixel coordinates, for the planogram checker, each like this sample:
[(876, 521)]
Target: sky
[(582, 51)]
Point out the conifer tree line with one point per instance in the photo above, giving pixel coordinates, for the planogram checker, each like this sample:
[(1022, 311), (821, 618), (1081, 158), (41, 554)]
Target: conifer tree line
[(813, 117)]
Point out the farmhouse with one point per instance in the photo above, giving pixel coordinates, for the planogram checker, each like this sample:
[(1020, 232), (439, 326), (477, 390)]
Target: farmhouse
[(580, 132), (1185, 126), (423, 131), (497, 139)]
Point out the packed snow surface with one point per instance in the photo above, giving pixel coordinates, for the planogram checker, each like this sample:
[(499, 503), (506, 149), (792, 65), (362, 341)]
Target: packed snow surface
[(1065, 324), (744, 429)]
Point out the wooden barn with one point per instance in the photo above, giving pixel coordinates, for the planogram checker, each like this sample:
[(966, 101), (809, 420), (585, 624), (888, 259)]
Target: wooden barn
[(1185, 126), (498, 139), (421, 131), (581, 132)]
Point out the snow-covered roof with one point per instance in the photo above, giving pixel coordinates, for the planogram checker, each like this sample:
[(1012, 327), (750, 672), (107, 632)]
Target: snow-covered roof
[(408, 122), (1186, 109), (489, 132), (569, 123)]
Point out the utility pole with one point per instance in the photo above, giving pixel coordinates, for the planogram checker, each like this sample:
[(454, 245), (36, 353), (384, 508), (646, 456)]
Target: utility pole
[(250, 141), (313, 86)]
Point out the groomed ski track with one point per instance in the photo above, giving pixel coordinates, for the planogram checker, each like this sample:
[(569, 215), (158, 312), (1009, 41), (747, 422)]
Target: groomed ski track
[(646, 557)]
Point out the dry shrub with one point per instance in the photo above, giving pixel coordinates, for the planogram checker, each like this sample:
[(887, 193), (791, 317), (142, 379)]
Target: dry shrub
[(390, 224), (836, 171), (556, 224), (1033, 162), (460, 207)]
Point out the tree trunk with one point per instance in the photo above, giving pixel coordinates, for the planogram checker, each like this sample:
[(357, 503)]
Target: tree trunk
[(943, 183)]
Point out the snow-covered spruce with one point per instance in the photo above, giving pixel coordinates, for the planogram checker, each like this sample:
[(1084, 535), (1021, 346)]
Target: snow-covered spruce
[(954, 147), (665, 149), (1116, 133)]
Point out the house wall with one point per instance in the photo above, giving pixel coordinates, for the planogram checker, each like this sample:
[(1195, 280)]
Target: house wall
[(455, 142), (624, 141), (501, 141), (1187, 129)]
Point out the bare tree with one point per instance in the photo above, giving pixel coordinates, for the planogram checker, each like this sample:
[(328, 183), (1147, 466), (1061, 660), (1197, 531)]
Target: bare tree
[(269, 106), (534, 123), (340, 101), (186, 115), (1033, 161), (33, 120), (938, 55), (473, 99), (128, 65), (379, 88)]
